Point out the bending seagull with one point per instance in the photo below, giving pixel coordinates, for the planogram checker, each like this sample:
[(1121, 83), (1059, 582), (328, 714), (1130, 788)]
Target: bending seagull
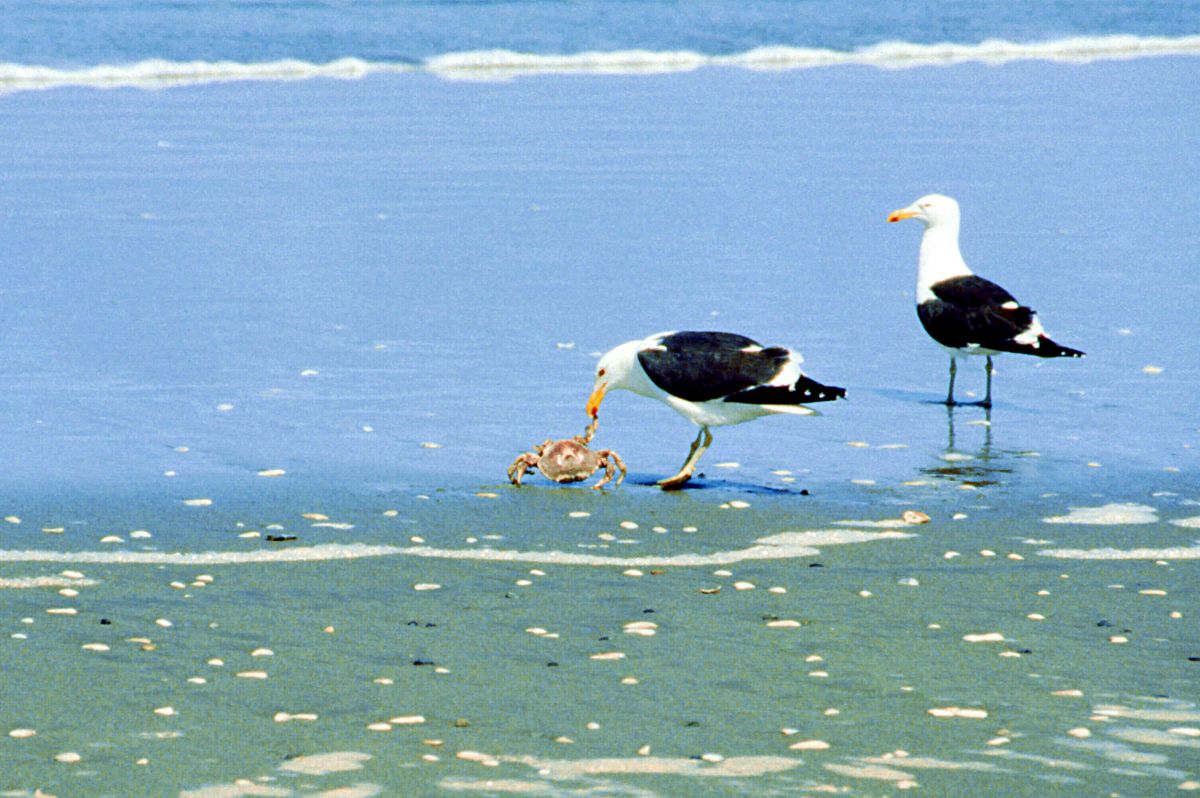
[(711, 379), (966, 314)]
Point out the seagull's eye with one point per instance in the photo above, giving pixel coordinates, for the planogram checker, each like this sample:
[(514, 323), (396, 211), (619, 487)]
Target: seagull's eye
[(926, 204), (600, 373)]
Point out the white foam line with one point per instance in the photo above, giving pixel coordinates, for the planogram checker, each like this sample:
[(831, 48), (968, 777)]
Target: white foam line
[(1109, 515), (161, 74), (787, 545), (1172, 553), (503, 64), (490, 65), (730, 767), (30, 582), (327, 551)]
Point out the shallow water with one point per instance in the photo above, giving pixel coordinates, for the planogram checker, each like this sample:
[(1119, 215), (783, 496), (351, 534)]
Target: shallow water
[(212, 282)]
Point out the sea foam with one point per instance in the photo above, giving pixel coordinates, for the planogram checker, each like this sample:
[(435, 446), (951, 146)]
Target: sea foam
[(327, 551), (490, 65), (784, 546), (1167, 553)]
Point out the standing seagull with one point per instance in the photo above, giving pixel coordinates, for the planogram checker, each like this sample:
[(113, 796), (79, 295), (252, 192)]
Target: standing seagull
[(966, 314), (710, 378)]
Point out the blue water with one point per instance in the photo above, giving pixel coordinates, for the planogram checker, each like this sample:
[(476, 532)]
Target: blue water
[(82, 33)]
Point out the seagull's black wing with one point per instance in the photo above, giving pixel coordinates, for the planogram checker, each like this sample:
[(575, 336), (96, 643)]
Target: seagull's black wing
[(703, 366)]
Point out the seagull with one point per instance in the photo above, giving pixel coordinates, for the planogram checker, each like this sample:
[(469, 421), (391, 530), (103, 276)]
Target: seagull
[(711, 379), (967, 314)]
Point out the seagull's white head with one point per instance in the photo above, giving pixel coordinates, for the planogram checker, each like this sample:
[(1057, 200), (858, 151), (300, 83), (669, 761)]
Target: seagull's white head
[(615, 370), (933, 210)]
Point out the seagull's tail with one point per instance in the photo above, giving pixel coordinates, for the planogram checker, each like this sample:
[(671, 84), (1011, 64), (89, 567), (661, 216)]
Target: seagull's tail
[(1048, 348), (805, 390)]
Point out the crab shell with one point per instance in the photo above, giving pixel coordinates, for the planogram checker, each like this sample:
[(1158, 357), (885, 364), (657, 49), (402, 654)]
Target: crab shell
[(567, 460)]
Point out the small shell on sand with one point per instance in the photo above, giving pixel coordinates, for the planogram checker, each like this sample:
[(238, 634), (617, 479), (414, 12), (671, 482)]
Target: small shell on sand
[(914, 517), (809, 745), (407, 720), (21, 734), (783, 623), (608, 655), (475, 756), (284, 717), (252, 674), (95, 647), (197, 502), (272, 472), (985, 637), (165, 711), (958, 712), (67, 757), (1081, 732)]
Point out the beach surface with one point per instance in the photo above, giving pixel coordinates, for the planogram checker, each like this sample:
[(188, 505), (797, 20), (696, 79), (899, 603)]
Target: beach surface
[(270, 347)]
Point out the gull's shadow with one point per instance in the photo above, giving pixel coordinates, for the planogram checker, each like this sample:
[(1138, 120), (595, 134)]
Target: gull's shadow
[(700, 482)]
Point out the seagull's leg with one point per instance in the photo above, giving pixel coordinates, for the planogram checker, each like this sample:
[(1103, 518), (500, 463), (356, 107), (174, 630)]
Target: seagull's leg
[(950, 392), (987, 399), (689, 465)]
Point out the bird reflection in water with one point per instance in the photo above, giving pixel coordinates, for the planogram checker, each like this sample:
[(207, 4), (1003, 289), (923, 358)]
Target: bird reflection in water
[(978, 468)]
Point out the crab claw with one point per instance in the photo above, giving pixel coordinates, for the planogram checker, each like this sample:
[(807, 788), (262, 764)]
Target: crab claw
[(589, 431), (611, 462), (519, 467)]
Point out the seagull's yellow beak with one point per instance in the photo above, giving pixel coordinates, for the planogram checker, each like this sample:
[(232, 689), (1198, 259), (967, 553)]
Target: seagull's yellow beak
[(903, 213), (593, 402)]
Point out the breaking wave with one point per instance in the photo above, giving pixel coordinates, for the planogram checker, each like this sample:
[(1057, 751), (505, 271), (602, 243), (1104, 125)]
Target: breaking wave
[(491, 65)]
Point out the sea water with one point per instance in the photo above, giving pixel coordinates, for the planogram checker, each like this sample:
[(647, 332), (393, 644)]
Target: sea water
[(269, 346)]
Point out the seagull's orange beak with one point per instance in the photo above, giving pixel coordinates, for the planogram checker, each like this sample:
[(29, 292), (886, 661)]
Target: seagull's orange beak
[(903, 213), (593, 402)]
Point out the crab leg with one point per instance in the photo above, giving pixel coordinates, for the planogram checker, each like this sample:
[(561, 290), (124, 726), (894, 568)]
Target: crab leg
[(589, 431), (518, 469), (611, 462)]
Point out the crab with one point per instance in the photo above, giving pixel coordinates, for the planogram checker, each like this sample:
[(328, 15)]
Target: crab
[(569, 460)]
